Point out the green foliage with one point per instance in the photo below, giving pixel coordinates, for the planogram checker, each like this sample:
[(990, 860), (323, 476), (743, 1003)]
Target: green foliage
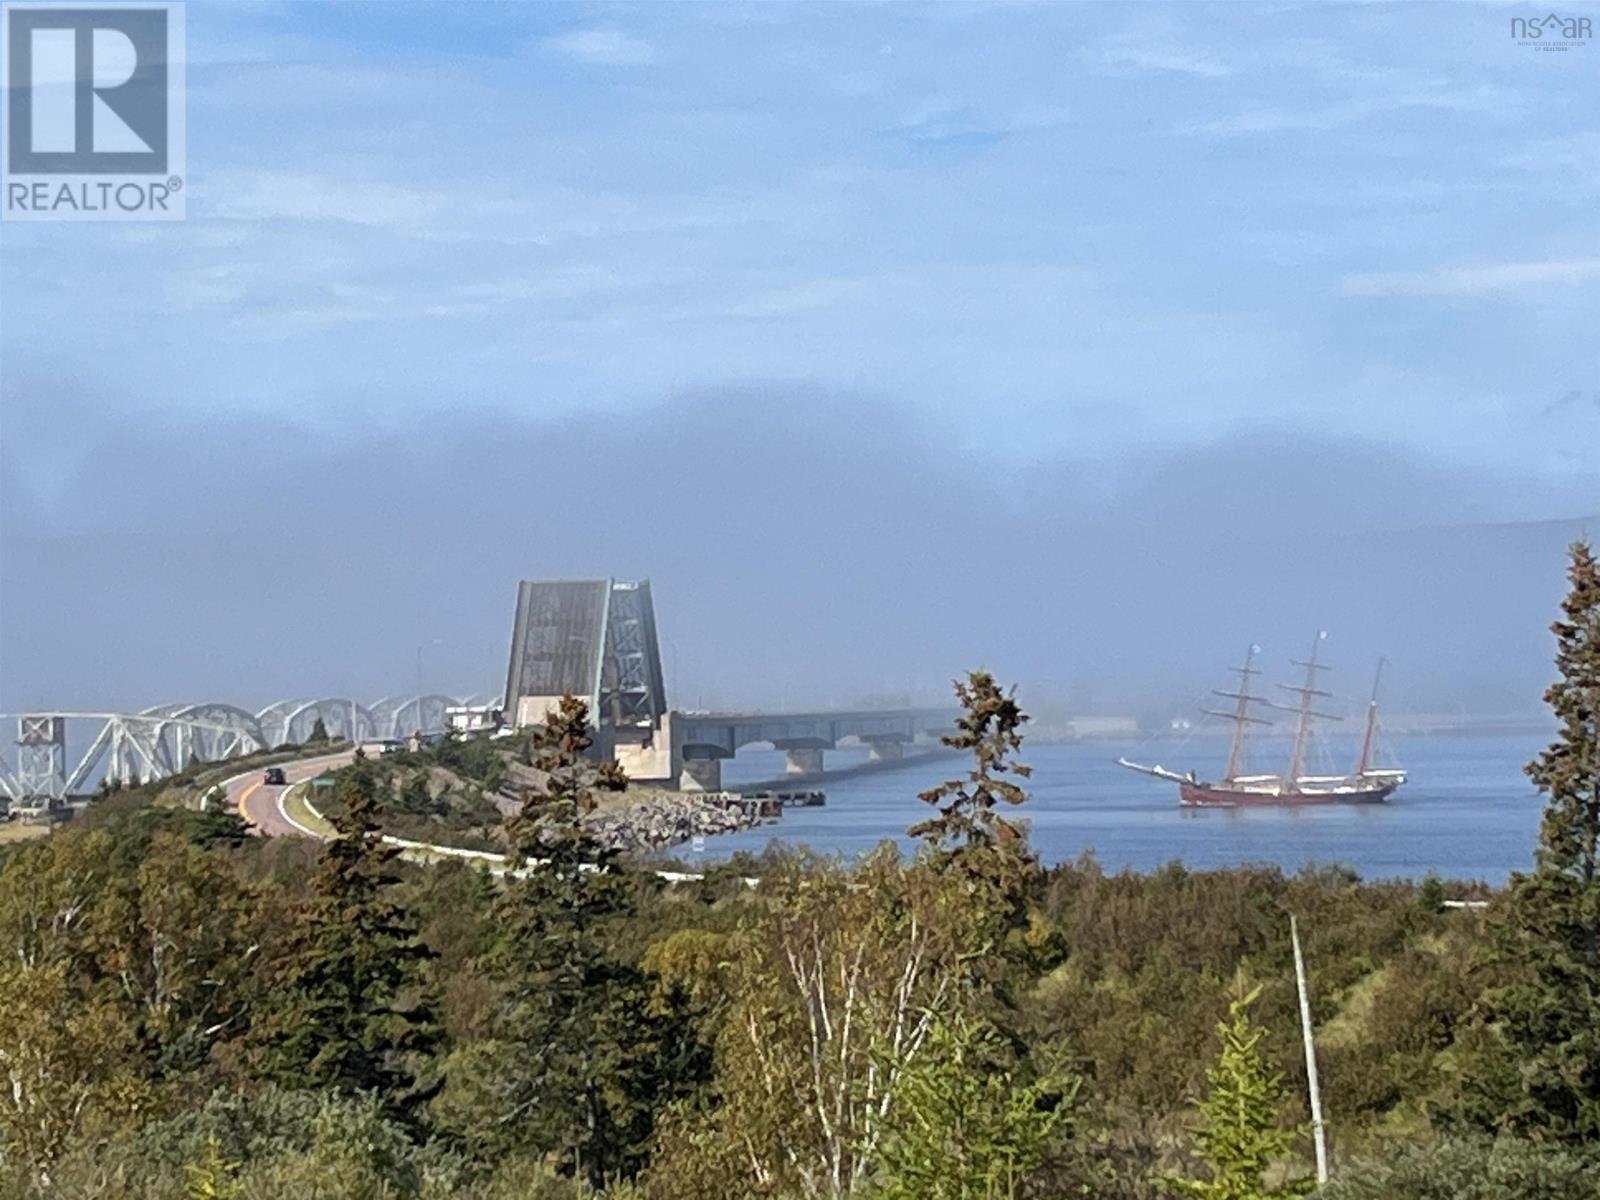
[(964, 1125), (831, 989), (964, 1024), (212, 1176), (1470, 1170), (1239, 1138), (1547, 1014), (416, 798), (65, 1071), (353, 1007), (319, 733), (268, 1145), (574, 1061)]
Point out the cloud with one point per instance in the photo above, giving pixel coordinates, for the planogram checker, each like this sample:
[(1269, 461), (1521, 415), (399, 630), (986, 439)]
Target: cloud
[(315, 564), (1471, 281), (603, 47), (1151, 47), (942, 123)]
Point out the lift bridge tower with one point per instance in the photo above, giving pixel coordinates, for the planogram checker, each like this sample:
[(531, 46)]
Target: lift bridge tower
[(595, 639)]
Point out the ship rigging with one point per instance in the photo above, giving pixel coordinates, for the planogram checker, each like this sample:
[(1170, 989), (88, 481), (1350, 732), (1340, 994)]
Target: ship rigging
[(1365, 784)]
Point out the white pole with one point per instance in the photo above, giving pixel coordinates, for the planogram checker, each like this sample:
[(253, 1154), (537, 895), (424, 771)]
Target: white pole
[(1318, 1135)]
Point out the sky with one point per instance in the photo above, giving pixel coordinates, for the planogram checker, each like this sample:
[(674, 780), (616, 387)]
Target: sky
[(884, 338)]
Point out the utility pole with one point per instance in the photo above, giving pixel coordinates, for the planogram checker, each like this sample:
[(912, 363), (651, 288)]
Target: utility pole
[(1318, 1134)]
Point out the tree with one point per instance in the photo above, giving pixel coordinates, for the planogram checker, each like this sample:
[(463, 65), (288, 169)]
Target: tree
[(319, 732), (964, 1125), (65, 1070), (1239, 1137), (212, 1176), (177, 942), (417, 798), (832, 991), (989, 728), (971, 839), (355, 1010), (576, 1061), (1548, 1014)]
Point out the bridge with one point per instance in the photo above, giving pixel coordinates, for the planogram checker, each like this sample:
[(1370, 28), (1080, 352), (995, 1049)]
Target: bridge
[(591, 638), (596, 638), (698, 742), (161, 741)]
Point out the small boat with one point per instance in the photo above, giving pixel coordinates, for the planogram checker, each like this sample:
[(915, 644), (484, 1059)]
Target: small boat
[(1365, 784)]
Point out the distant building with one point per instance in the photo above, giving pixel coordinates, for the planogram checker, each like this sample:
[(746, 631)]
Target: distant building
[(473, 718), (1103, 727)]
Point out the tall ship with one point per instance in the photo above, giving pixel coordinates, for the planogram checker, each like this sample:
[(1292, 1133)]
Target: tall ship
[(1365, 784)]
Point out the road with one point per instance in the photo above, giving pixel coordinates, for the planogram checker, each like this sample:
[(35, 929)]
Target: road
[(260, 803)]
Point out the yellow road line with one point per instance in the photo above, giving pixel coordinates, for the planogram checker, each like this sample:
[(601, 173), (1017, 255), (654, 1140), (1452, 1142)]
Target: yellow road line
[(244, 801)]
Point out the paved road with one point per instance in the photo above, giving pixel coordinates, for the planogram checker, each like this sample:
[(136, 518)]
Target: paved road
[(259, 803)]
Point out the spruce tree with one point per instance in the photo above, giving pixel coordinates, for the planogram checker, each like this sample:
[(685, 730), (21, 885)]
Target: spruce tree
[(1239, 1137), (990, 729), (319, 732), (1549, 929), (581, 1063), (355, 1009)]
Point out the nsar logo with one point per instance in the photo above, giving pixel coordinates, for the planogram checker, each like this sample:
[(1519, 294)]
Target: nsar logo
[(94, 127), (1551, 32)]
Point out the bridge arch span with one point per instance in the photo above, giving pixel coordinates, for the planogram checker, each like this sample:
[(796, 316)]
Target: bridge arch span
[(401, 716), (293, 720)]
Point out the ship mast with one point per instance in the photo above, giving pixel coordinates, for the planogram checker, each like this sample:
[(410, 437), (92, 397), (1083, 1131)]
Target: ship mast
[(1240, 716), (1372, 723), (1291, 782)]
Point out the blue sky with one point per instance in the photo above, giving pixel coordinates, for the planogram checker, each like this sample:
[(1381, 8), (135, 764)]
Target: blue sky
[(1066, 230), (812, 306)]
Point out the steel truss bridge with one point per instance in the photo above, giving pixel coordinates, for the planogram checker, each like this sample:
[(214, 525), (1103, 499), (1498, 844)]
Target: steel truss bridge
[(163, 740)]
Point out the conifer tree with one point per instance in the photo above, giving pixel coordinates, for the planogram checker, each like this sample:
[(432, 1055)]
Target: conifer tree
[(1549, 930), (989, 727), (579, 1058), (355, 1009), (212, 1176), (1239, 1137), (319, 732), (964, 1125)]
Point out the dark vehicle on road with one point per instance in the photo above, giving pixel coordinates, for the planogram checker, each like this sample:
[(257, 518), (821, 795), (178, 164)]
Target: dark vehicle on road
[(274, 777)]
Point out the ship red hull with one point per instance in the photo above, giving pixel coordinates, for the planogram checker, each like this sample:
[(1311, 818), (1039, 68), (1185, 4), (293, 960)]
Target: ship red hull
[(1200, 795)]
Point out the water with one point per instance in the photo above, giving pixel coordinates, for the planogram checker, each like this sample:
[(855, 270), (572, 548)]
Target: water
[(1467, 811)]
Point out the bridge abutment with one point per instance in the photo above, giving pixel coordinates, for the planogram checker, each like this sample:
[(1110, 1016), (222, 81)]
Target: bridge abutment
[(700, 773), (803, 760), (886, 747)]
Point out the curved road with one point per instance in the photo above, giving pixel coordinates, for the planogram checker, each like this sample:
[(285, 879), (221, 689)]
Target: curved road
[(261, 804)]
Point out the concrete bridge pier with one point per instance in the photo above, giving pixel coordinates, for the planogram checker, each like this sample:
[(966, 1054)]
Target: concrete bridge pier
[(886, 747), (702, 769), (802, 756)]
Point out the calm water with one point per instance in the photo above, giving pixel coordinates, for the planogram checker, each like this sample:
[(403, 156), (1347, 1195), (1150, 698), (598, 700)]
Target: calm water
[(1467, 810)]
